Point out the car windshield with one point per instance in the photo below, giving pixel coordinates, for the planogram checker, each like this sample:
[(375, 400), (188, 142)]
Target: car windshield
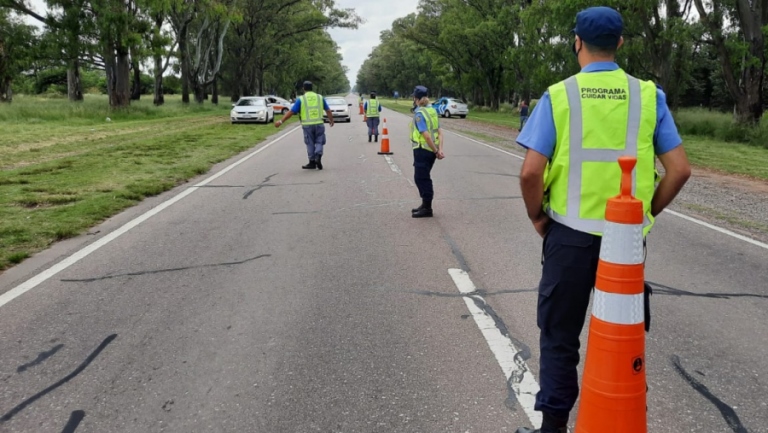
[(251, 103), (336, 101)]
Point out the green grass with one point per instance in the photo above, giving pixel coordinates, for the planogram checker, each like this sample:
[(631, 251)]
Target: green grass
[(506, 117), (720, 126), (733, 158), (64, 168)]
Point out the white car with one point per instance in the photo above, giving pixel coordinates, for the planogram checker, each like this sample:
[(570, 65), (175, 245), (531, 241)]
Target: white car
[(280, 105), (448, 107), (252, 109), (339, 108)]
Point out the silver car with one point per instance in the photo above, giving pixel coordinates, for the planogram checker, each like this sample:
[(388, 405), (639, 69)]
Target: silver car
[(339, 108), (252, 109)]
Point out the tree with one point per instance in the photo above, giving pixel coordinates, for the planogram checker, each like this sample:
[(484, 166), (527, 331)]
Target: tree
[(16, 42), (741, 50)]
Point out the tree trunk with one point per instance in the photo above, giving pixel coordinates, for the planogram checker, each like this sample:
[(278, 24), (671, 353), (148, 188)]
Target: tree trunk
[(215, 91), (159, 96), (74, 84), (199, 92), (6, 92), (184, 55), (136, 89), (109, 69), (122, 74)]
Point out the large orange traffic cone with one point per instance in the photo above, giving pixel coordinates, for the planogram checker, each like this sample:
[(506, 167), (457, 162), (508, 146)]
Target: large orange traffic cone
[(361, 108), (385, 140), (613, 390)]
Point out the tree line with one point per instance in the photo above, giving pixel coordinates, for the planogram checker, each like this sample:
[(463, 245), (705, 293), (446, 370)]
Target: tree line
[(708, 53), (241, 47)]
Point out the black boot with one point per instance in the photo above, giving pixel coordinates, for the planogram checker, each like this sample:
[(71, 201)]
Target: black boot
[(369, 138), (377, 138), (549, 424), (311, 166), (319, 162), (414, 210), (425, 211)]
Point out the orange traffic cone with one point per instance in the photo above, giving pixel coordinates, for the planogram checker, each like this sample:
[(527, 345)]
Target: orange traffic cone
[(613, 384), (361, 108), (385, 140)]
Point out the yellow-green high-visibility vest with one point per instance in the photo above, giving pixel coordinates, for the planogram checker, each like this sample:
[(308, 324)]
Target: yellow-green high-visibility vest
[(430, 116), (599, 116), (311, 109), (373, 108)]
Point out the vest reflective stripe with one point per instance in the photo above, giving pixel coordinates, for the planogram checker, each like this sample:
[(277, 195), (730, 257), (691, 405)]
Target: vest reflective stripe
[(417, 139), (373, 108), (572, 194), (311, 109)]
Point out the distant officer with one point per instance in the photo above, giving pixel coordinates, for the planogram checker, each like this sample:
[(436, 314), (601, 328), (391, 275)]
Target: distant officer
[(310, 107), (372, 109), (574, 137), (427, 141), (523, 113)]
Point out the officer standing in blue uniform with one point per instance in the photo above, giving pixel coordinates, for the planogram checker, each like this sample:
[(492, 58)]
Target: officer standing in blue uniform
[(427, 141), (372, 108), (573, 140), (310, 107)]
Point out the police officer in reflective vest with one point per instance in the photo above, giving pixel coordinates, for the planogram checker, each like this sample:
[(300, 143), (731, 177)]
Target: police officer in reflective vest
[(573, 139), (310, 107), (372, 109), (427, 141)]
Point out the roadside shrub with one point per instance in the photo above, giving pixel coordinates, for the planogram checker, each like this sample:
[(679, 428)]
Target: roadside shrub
[(720, 126)]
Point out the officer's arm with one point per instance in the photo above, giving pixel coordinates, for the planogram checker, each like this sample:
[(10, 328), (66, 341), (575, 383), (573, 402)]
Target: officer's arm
[(532, 184), (427, 136), (677, 171)]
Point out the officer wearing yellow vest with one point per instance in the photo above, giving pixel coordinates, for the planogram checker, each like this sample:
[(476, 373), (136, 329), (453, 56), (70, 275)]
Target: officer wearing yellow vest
[(310, 107), (427, 142), (372, 109), (573, 139)]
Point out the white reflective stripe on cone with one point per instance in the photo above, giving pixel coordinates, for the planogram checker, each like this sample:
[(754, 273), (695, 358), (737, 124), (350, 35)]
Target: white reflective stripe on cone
[(618, 309), (622, 244)]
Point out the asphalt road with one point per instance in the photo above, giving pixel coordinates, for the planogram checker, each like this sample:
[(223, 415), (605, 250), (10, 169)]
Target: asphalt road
[(276, 299)]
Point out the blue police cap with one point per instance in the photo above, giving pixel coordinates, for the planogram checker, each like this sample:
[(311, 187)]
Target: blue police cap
[(599, 26), (420, 92)]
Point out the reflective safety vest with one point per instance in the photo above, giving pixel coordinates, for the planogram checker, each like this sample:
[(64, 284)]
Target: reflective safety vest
[(373, 108), (430, 116), (599, 116), (311, 109)]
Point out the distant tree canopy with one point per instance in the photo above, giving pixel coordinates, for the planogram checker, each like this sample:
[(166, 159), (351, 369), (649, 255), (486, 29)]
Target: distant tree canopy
[(241, 47), (702, 53)]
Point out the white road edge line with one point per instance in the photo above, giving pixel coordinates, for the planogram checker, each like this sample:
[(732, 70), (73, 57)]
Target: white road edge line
[(671, 212), (79, 255), (502, 347)]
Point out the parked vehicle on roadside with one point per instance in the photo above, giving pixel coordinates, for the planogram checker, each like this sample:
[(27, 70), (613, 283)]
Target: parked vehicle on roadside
[(252, 109), (448, 107), (278, 104)]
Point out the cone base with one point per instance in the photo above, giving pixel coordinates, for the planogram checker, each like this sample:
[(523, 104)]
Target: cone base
[(386, 153)]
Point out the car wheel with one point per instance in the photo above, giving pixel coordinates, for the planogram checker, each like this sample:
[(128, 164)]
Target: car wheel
[(447, 114), (463, 116), (349, 120), (283, 111)]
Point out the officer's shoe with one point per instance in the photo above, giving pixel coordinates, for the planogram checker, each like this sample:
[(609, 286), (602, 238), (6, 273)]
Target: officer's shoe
[(319, 162), (376, 139), (311, 166), (369, 138), (414, 210), (422, 213), (549, 424)]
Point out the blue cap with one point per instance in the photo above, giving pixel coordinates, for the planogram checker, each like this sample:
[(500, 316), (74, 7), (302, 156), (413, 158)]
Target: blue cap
[(599, 26), (420, 92)]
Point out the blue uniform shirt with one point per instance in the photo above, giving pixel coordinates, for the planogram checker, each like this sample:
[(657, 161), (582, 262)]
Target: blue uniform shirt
[(365, 107), (297, 106), (539, 133)]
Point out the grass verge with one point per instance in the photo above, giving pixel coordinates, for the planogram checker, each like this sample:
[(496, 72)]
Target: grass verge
[(732, 158), (65, 168)]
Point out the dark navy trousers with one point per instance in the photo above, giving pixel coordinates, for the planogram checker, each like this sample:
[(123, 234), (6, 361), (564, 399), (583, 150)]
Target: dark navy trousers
[(423, 161), (570, 266)]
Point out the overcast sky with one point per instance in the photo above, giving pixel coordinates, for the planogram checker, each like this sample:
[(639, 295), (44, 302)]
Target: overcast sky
[(355, 44)]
